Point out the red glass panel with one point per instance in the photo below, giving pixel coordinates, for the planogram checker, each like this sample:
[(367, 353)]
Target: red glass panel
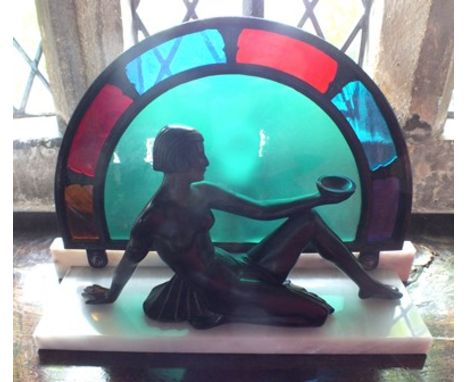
[(80, 212), (95, 127), (289, 55)]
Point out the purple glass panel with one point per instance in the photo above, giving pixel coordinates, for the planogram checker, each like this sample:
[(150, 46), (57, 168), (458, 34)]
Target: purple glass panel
[(385, 201)]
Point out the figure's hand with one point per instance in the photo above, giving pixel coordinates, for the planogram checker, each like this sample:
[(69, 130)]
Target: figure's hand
[(96, 294), (288, 284), (379, 290)]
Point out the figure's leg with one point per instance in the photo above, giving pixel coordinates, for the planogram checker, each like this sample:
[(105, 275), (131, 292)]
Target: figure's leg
[(333, 249), (279, 251), (264, 303)]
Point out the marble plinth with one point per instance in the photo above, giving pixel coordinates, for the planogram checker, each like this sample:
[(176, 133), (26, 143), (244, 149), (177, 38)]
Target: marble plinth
[(357, 326), (399, 261)]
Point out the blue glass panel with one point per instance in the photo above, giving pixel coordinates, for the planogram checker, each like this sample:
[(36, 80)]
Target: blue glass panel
[(175, 56), (356, 103)]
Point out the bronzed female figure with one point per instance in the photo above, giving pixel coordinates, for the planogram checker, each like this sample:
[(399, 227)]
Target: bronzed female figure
[(212, 286)]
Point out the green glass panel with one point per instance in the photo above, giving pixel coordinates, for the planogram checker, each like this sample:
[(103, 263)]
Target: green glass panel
[(263, 139)]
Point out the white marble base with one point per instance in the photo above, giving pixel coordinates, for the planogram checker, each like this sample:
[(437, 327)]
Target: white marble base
[(356, 327), (398, 261)]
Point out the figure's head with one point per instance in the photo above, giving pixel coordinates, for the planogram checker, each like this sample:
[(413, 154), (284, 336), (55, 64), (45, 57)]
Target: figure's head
[(179, 149)]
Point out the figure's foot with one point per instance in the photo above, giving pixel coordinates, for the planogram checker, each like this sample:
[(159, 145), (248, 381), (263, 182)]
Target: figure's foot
[(379, 290)]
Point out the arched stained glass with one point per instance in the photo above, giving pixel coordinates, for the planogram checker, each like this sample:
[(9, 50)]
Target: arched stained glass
[(249, 151), (278, 108)]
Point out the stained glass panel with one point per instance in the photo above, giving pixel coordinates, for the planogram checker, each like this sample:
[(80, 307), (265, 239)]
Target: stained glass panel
[(357, 104), (384, 208), (250, 133), (175, 56), (80, 212), (302, 60), (94, 129), (278, 108)]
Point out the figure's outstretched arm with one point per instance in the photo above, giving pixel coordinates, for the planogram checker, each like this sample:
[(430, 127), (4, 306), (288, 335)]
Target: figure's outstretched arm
[(241, 205), (136, 250)]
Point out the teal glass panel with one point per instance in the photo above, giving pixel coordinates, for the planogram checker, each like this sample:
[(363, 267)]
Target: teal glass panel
[(263, 139), (356, 103), (175, 56)]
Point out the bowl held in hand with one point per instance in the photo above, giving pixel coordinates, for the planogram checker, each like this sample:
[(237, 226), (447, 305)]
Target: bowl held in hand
[(335, 189)]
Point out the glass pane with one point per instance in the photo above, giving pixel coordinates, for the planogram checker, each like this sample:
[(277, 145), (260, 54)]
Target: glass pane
[(216, 8), (288, 55), (338, 18), (353, 49), (263, 139), (94, 129), (357, 104), (158, 15), (291, 14), (175, 56), (41, 98), (79, 206), (25, 27), (19, 76), (386, 194), (27, 34)]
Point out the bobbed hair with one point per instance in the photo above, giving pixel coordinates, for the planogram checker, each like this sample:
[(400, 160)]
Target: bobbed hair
[(173, 148)]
